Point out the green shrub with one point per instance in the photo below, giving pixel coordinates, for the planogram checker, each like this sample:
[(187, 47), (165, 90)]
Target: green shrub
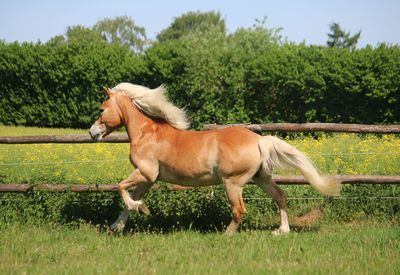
[(248, 76), (203, 208), (59, 85)]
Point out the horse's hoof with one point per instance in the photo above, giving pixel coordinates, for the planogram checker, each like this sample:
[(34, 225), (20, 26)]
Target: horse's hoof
[(230, 232), (144, 209), (280, 231), (117, 227), (134, 205)]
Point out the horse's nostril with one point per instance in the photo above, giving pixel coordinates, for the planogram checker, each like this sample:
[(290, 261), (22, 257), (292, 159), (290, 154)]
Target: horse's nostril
[(91, 135)]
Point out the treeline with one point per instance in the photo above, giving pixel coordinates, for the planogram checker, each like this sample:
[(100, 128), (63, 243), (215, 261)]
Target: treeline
[(251, 75)]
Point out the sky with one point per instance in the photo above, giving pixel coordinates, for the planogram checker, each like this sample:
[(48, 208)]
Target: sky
[(302, 21)]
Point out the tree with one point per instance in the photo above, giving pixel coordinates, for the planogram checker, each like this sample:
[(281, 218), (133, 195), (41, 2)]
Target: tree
[(122, 30), (192, 21), (78, 34), (338, 38), (259, 35)]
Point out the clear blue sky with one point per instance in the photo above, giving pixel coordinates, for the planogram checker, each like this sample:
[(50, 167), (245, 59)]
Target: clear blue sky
[(306, 20)]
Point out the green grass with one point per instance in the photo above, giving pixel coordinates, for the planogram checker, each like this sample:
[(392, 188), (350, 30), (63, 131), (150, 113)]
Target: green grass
[(61, 163), (367, 248), (28, 244)]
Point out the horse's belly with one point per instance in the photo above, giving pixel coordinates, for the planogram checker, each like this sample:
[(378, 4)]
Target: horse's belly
[(204, 177)]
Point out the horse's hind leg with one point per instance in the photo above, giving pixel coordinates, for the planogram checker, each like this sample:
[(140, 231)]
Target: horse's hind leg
[(136, 194), (279, 196), (234, 193)]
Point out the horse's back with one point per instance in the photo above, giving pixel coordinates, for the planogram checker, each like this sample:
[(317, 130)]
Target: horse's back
[(236, 135), (205, 156), (238, 150)]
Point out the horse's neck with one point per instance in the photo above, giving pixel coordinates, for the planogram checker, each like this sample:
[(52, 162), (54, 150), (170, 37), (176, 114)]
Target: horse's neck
[(133, 120), (136, 123)]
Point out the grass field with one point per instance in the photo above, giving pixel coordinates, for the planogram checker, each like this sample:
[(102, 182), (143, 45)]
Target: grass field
[(108, 163), (367, 248), (365, 245), (61, 163)]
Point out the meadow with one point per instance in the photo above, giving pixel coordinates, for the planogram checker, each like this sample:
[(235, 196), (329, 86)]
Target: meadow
[(368, 248), (42, 232)]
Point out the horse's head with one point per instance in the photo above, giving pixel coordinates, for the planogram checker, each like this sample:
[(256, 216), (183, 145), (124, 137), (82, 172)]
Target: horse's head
[(109, 119)]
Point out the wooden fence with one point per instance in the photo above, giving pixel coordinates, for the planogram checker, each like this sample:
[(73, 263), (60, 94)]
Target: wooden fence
[(272, 127), (278, 127), (73, 138), (314, 127), (283, 180)]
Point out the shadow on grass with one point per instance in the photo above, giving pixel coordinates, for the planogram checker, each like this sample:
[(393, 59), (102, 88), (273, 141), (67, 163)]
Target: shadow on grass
[(101, 209), (101, 212), (293, 228), (215, 221)]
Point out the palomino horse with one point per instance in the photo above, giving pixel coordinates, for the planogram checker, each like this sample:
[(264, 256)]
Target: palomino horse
[(162, 149)]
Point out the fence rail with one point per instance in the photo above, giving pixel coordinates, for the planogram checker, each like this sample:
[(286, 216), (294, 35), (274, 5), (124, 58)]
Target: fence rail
[(278, 127), (73, 138), (284, 180), (314, 127)]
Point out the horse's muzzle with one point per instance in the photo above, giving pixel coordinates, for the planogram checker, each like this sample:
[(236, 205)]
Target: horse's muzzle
[(96, 132)]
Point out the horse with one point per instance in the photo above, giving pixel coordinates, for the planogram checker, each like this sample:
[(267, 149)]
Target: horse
[(162, 148)]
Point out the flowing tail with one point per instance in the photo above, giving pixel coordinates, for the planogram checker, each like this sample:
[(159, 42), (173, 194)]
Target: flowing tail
[(277, 154)]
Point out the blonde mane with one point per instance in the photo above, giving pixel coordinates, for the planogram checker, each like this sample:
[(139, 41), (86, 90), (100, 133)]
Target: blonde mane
[(154, 103)]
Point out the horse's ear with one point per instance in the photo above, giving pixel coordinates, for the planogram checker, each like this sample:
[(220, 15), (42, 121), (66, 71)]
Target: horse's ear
[(107, 91)]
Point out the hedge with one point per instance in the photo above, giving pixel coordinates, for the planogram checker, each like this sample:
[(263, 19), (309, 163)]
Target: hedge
[(201, 209), (247, 76), (239, 80), (59, 86)]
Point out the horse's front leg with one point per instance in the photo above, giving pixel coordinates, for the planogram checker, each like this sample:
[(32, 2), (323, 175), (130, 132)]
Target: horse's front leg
[(136, 194), (136, 179)]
